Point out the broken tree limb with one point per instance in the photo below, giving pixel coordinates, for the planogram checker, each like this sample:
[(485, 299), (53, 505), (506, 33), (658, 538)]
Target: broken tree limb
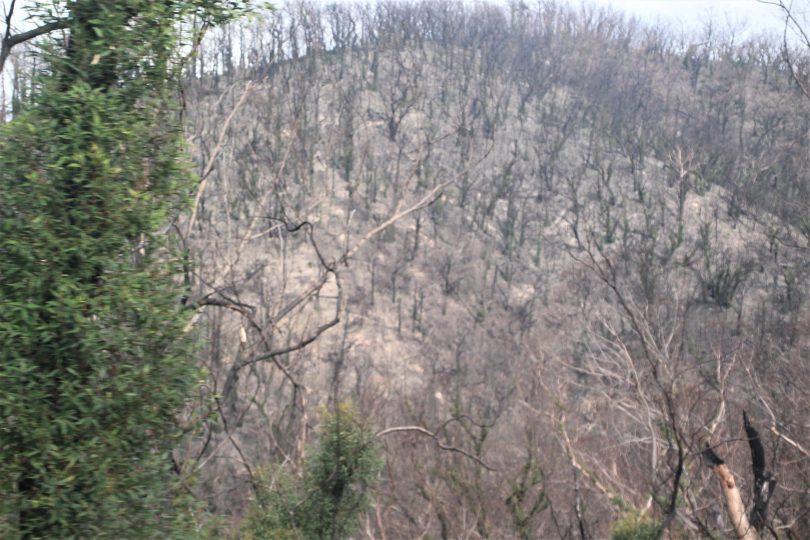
[(764, 482), (734, 504)]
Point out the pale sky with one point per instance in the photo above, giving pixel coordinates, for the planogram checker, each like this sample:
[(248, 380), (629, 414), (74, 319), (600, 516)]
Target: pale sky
[(679, 14), (691, 14)]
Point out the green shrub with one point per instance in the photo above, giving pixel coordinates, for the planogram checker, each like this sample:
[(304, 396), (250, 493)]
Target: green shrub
[(634, 526), (331, 493)]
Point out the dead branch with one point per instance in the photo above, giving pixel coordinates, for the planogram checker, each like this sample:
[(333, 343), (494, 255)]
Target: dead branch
[(11, 40), (244, 461), (568, 447), (734, 504), (790, 20), (763, 480), (439, 443), (209, 166)]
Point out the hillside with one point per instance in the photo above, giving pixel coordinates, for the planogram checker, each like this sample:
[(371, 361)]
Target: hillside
[(570, 248)]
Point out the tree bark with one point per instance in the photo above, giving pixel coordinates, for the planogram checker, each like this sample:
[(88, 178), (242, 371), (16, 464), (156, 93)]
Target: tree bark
[(734, 504)]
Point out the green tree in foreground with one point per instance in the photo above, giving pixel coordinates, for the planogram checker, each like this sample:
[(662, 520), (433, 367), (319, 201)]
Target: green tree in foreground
[(93, 368), (331, 494)]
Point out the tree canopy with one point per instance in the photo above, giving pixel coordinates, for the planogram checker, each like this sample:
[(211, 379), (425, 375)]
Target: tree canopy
[(93, 363)]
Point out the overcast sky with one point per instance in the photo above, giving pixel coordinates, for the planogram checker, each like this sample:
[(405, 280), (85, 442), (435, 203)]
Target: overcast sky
[(678, 13), (691, 14), (688, 15)]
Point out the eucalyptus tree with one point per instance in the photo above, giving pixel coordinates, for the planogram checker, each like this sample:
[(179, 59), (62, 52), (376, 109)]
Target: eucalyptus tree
[(94, 364)]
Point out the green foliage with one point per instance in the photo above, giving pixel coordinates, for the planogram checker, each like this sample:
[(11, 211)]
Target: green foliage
[(92, 363), (721, 277), (332, 491), (634, 526), (528, 496)]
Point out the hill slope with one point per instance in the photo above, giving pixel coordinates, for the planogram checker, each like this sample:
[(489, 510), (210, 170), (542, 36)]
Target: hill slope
[(596, 259)]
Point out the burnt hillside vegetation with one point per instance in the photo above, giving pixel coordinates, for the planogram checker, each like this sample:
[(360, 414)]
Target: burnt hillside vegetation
[(549, 255)]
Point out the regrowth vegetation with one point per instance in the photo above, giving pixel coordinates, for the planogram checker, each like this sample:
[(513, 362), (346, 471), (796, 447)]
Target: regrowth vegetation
[(327, 499)]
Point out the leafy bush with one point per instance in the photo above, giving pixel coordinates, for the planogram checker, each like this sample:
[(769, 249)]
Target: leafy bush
[(634, 526), (332, 491)]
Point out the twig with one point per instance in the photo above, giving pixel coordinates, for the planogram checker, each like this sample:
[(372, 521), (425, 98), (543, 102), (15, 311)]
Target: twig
[(245, 462), (439, 443), (568, 447), (790, 19), (10, 40), (209, 166)]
